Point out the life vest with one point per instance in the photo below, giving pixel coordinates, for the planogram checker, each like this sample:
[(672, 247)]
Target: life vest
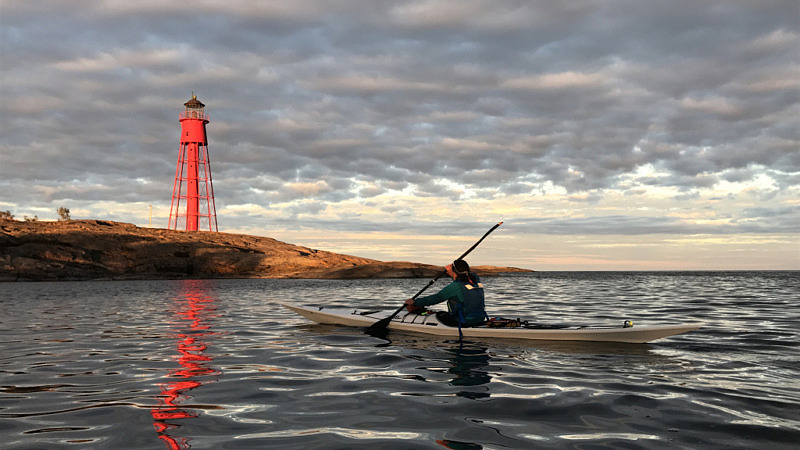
[(472, 310)]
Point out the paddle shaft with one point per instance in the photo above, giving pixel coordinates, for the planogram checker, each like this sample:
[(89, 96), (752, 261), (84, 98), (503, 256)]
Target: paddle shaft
[(383, 323)]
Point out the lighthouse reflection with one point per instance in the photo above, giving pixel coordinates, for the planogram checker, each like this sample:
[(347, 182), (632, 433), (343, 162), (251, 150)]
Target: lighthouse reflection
[(189, 316)]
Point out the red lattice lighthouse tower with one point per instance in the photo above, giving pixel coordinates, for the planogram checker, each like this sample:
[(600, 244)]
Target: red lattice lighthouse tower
[(193, 205)]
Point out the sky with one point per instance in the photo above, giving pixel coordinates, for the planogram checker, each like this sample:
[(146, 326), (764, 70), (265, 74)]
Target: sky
[(606, 135)]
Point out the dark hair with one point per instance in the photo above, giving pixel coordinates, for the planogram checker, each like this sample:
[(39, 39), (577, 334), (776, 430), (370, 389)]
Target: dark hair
[(461, 268)]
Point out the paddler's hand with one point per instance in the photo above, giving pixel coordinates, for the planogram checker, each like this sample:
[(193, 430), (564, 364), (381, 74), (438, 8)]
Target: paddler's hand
[(410, 301)]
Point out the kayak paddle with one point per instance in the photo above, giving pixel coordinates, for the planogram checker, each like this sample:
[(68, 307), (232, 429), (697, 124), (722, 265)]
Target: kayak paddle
[(381, 325)]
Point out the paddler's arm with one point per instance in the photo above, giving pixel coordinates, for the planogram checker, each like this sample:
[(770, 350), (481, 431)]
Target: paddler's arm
[(449, 291)]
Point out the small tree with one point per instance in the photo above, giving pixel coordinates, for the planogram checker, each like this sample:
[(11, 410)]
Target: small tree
[(6, 215), (63, 213), (31, 219)]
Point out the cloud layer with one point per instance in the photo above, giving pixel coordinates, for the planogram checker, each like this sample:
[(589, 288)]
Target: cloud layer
[(563, 118)]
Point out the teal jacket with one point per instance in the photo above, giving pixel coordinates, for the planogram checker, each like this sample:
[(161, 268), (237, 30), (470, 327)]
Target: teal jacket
[(455, 294)]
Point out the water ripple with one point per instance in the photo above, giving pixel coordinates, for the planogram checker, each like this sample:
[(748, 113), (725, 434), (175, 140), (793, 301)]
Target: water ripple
[(211, 364)]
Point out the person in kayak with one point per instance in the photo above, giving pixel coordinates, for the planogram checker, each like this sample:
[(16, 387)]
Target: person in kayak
[(464, 297)]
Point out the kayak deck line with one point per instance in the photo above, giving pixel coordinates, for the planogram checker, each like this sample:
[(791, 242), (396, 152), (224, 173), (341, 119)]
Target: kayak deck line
[(430, 325), (414, 317)]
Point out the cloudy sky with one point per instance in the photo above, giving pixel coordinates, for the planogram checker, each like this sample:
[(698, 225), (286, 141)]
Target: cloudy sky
[(608, 135)]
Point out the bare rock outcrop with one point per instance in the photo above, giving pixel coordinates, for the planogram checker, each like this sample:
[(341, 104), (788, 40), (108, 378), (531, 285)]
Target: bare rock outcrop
[(97, 249)]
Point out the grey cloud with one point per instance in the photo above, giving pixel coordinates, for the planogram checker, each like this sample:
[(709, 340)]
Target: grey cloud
[(755, 221), (784, 219), (502, 95)]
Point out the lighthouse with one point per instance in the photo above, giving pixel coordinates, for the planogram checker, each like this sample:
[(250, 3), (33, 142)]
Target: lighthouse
[(193, 207)]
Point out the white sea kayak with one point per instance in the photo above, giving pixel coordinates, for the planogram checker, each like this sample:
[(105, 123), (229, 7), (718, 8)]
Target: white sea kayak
[(429, 324)]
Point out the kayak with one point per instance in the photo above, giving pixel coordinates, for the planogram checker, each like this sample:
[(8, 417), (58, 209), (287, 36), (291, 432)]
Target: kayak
[(430, 325)]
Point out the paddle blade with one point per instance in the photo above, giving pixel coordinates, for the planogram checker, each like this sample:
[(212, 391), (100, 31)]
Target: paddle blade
[(379, 326)]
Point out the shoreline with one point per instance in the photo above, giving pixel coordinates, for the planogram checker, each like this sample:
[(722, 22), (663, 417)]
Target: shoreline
[(100, 250)]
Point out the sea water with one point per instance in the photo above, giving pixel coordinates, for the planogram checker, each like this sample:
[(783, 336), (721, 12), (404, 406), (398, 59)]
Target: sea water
[(219, 364)]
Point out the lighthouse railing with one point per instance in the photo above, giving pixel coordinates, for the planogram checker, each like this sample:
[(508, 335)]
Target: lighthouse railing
[(193, 115)]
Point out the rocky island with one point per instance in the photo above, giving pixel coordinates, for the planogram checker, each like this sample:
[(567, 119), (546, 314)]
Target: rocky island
[(99, 249)]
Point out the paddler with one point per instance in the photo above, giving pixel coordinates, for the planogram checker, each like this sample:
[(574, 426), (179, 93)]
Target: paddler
[(464, 297)]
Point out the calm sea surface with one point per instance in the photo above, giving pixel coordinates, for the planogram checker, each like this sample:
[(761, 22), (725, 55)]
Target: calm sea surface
[(217, 364)]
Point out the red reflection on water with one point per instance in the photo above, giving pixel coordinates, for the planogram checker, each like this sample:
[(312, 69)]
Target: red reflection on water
[(193, 307)]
